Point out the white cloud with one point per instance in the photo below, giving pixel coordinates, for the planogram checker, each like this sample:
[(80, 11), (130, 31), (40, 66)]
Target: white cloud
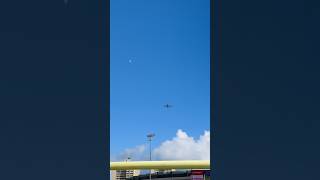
[(184, 147), (180, 147), (136, 153)]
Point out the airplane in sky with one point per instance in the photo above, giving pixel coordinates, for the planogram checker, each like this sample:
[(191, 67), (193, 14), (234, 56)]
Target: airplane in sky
[(167, 106)]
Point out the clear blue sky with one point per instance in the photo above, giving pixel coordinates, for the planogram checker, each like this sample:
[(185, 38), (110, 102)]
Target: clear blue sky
[(167, 43)]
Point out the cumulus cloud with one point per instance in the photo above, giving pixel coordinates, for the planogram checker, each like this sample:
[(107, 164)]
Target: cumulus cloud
[(136, 153), (184, 147), (180, 147)]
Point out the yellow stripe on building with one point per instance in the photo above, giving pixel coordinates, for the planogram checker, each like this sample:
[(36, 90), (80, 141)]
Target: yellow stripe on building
[(161, 165)]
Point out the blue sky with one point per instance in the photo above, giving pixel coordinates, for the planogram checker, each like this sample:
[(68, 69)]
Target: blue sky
[(159, 54)]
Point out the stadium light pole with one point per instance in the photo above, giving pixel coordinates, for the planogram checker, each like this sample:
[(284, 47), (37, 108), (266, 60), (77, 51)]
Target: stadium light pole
[(150, 136)]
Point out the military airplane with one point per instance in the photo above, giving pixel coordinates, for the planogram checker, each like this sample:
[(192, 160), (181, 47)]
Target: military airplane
[(167, 106)]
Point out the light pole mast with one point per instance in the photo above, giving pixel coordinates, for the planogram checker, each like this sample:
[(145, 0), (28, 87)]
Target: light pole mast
[(150, 136)]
